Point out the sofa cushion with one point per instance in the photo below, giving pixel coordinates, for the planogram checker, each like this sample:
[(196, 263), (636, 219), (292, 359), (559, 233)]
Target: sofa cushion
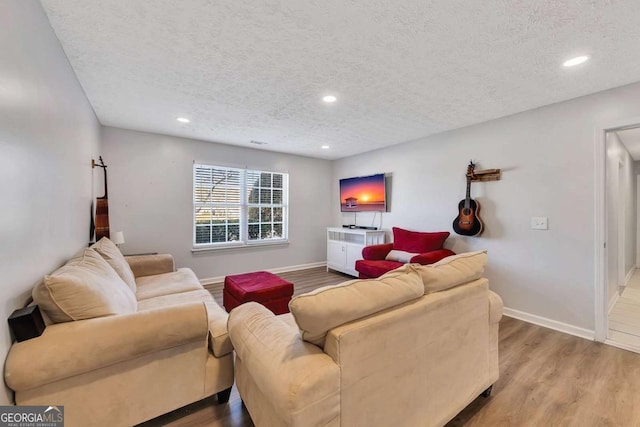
[(289, 320), (114, 257), (323, 309), (452, 271), (374, 268), (84, 288), (418, 242), (181, 280), (174, 299)]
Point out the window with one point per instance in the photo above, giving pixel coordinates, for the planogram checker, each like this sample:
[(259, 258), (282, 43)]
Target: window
[(235, 207)]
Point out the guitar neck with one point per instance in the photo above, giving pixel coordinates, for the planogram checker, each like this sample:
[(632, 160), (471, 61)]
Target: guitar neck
[(104, 170), (467, 199), (106, 193)]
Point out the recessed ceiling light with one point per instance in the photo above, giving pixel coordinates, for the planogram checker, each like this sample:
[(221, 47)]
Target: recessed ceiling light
[(575, 61), (325, 147), (329, 98), (183, 120)]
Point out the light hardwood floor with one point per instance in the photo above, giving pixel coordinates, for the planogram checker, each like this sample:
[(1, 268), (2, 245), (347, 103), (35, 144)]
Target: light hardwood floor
[(547, 378), (624, 319)]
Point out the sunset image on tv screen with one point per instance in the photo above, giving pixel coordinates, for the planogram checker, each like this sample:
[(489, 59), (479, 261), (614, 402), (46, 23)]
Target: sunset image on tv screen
[(362, 194)]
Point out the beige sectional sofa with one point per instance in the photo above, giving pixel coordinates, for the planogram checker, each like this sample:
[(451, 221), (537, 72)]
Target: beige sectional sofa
[(126, 341), (412, 348)]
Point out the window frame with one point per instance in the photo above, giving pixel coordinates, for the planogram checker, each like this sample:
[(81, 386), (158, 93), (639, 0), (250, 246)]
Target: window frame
[(245, 188)]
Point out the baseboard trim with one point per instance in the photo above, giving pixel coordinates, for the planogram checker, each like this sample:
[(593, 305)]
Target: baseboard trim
[(613, 301), (629, 274), (220, 279), (621, 288), (628, 347), (551, 324)]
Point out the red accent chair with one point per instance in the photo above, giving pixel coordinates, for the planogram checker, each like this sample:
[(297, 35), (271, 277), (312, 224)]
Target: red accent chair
[(408, 246)]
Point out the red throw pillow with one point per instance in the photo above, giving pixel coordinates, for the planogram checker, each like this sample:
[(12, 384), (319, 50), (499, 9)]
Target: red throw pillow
[(418, 242)]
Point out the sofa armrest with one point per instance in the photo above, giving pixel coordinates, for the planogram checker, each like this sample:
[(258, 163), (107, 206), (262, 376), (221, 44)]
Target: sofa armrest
[(219, 341), (294, 374), (376, 252), (495, 307), (431, 257), (150, 265), (74, 348)]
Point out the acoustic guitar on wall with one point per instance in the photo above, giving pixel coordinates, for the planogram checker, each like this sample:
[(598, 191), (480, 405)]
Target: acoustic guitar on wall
[(468, 222), (102, 208)]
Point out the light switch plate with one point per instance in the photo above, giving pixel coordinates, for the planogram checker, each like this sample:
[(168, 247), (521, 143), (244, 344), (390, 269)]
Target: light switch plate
[(539, 223)]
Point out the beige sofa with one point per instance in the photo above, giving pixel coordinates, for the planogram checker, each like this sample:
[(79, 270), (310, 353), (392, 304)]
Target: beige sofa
[(127, 341), (412, 348)]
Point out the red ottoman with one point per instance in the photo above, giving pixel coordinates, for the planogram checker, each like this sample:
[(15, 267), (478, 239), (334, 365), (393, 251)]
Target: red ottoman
[(266, 288)]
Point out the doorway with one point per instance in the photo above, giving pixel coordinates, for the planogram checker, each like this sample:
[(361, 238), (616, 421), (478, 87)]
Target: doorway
[(620, 321)]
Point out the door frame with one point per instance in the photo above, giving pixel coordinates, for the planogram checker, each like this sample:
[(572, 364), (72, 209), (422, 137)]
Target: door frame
[(622, 206), (600, 236), (637, 259)]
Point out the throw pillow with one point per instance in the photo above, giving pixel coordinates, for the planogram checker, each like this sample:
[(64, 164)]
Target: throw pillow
[(453, 271), (84, 288), (114, 257), (319, 311), (416, 241), (400, 256)]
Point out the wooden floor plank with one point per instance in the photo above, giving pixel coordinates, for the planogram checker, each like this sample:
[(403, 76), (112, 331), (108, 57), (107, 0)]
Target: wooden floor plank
[(624, 327), (624, 338), (547, 378), (634, 281), (625, 308), (624, 318)]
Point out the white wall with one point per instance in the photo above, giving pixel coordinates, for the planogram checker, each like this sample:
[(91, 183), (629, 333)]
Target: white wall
[(621, 213), (151, 200), (547, 161), (48, 135)]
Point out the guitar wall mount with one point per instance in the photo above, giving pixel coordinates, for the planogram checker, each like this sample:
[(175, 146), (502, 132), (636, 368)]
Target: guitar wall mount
[(486, 175)]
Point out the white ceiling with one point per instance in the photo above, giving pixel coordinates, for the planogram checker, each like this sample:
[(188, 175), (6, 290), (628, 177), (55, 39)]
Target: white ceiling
[(631, 140), (245, 70)]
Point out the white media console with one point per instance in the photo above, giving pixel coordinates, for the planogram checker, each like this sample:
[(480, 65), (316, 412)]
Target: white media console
[(344, 247)]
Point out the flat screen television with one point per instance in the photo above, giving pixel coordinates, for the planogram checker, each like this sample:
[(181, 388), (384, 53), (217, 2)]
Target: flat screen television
[(363, 194)]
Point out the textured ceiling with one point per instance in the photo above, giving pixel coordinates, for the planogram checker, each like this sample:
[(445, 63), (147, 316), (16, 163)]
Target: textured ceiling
[(245, 70)]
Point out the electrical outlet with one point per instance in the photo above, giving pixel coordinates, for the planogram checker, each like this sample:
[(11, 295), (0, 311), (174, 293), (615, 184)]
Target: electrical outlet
[(539, 223)]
